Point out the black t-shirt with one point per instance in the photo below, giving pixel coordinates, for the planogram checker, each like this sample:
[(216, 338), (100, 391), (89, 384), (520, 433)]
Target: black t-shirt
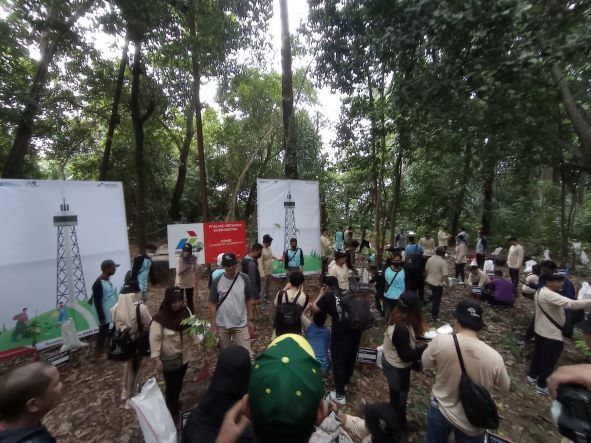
[(27, 435), (330, 304)]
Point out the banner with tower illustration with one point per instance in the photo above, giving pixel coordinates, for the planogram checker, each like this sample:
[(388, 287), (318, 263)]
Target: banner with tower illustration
[(55, 234), (290, 209)]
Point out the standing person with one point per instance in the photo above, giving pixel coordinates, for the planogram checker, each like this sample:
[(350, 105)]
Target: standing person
[(414, 266), (104, 297), (340, 270), (428, 244), (436, 276), (548, 325), (250, 266), (231, 305), (364, 240), (27, 394), (141, 269), (325, 250), (392, 283), (344, 342), (187, 274), (402, 350), (292, 292), (339, 239), (515, 260), (401, 239), (229, 384), (481, 247), (463, 234), (484, 365), (170, 346), (125, 317), (219, 270), (294, 257), (266, 267), (442, 238), (348, 236), (461, 258)]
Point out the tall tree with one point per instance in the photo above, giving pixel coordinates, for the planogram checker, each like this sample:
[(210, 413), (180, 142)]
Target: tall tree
[(291, 162)]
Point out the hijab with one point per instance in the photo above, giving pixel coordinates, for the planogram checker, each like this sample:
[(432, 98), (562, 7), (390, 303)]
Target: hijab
[(186, 263), (166, 316)]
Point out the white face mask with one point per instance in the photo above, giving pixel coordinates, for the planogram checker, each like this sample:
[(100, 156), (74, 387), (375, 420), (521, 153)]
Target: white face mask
[(150, 254)]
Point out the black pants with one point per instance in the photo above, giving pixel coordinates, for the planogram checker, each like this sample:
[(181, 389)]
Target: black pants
[(398, 386), (436, 294), (364, 244), (416, 282), (101, 337), (343, 349), (189, 298), (546, 355), (389, 305), (530, 332), (514, 273), (460, 271), (174, 384), (480, 260)]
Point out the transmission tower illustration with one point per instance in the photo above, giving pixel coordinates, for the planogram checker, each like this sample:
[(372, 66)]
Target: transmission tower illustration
[(290, 223), (70, 276)]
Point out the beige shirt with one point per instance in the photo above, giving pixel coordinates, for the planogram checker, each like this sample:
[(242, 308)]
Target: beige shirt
[(187, 278), (166, 342), (461, 253), (442, 238), (435, 270), (483, 364), (266, 262), (291, 295), (342, 274), (515, 256), (325, 249), (355, 427), (553, 304), (531, 279), (427, 244), (480, 279), (390, 353)]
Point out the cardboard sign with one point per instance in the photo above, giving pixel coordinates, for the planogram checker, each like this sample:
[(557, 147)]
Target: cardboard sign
[(494, 438), (367, 355), (60, 359)]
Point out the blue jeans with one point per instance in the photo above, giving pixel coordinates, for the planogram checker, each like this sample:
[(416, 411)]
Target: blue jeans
[(439, 428)]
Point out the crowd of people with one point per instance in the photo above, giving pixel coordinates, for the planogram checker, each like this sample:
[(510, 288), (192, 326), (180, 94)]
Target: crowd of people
[(279, 395)]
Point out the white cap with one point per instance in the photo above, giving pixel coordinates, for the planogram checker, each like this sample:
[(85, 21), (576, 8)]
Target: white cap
[(219, 259)]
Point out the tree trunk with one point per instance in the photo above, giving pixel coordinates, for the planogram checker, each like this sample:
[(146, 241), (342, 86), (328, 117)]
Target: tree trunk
[(379, 226), (114, 120), (196, 72), (403, 146), (291, 164), (461, 193), (562, 222), (175, 204), (487, 194), (14, 166)]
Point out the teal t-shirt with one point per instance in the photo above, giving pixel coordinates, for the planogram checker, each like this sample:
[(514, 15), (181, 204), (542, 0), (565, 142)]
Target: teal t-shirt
[(142, 276), (394, 290), (339, 238), (294, 258), (109, 299)]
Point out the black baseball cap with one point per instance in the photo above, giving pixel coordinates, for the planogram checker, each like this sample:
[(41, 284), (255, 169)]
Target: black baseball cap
[(108, 264), (470, 314), (188, 247), (409, 301), (267, 238), (229, 259), (554, 277)]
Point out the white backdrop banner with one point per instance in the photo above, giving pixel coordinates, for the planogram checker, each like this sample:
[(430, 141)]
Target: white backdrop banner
[(286, 209), (55, 234), (179, 236)]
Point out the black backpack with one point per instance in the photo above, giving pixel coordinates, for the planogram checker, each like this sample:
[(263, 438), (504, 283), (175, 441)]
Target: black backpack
[(356, 311), (288, 315), (479, 406), (414, 262)]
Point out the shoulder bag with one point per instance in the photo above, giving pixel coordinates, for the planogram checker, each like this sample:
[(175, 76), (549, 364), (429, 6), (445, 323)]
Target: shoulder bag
[(479, 406)]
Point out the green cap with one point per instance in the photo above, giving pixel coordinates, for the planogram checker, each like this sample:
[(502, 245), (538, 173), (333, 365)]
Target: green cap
[(285, 389)]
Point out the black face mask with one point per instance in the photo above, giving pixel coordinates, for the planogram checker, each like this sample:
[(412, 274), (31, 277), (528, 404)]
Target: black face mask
[(110, 273)]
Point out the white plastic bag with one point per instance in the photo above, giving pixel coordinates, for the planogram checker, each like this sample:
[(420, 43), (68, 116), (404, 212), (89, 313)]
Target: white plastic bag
[(152, 413), (379, 356), (70, 337), (547, 254), (585, 291), (584, 259), (528, 266), (445, 329)]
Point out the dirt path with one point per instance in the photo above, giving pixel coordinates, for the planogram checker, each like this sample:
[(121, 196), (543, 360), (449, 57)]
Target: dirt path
[(91, 410)]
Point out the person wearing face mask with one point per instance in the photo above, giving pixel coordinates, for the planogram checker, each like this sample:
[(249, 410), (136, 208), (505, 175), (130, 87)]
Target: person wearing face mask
[(394, 283), (187, 274), (170, 345), (141, 269), (104, 297)]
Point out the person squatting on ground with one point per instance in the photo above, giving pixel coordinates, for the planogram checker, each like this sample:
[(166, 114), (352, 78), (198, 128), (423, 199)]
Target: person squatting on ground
[(499, 292), (483, 364), (402, 351), (461, 258), (266, 267), (229, 384), (27, 394), (170, 346), (293, 257), (125, 317), (141, 269), (187, 274), (104, 297), (549, 321), (477, 277), (436, 276), (391, 284), (231, 305), (379, 425), (344, 342)]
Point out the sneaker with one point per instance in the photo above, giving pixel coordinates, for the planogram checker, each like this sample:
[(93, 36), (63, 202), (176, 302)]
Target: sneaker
[(531, 381), (266, 301), (340, 399), (519, 342), (542, 391)]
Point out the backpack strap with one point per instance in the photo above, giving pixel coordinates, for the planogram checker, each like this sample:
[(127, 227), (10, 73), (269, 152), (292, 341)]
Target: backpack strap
[(295, 300), (554, 322)]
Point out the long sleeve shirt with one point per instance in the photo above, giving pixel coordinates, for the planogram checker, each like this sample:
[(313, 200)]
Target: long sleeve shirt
[(461, 253), (515, 256), (553, 305)]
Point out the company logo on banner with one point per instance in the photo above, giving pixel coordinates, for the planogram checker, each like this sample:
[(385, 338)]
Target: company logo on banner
[(207, 239)]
